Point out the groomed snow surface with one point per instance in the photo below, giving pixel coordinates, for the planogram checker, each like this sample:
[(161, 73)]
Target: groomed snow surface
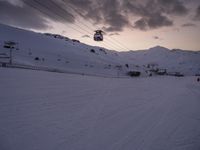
[(51, 111)]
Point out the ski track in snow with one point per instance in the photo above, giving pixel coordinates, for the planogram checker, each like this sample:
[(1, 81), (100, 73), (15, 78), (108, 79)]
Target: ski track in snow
[(51, 111)]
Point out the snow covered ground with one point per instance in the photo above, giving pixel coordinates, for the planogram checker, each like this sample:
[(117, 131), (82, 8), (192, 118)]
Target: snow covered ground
[(51, 111)]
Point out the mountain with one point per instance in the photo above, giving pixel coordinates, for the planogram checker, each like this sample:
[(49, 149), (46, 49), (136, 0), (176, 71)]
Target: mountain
[(41, 110), (175, 60), (65, 54)]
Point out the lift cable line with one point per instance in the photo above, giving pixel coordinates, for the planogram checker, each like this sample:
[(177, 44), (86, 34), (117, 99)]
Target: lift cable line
[(110, 43), (117, 42), (58, 16), (63, 11), (110, 38), (43, 12), (78, 25), (88, 32)]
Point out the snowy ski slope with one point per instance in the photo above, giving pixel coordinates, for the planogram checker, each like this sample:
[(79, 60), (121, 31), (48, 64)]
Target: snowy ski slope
[(52, 111)]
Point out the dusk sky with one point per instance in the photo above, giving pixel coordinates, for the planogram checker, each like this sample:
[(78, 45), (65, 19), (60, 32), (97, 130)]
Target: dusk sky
[(128, 24)]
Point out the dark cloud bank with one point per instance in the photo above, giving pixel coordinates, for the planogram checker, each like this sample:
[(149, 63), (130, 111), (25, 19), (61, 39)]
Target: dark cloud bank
[(197, 16), (114, 15)]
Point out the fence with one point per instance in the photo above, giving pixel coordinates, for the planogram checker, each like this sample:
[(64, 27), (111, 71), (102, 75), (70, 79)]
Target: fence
[(48, 69)]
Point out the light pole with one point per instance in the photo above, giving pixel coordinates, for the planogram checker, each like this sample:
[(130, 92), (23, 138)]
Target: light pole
[(10, 44)]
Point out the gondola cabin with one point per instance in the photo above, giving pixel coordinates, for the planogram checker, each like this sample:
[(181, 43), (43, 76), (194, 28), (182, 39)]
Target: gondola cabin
[(98, 36)]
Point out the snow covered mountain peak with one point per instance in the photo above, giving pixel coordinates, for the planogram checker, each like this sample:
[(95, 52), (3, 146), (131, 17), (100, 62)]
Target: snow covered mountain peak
[(158, 49)]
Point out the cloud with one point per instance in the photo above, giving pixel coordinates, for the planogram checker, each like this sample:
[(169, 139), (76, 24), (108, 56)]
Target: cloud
[(156, 37), (188, 25), (176, 29), (154, 22), (114, 15), (197, 16), (113, 34), (51, 9), (63, 32), (14, 2), (155, 13), (175, 7), (33, 13), (105, 12), (85, 36), (21, 16)]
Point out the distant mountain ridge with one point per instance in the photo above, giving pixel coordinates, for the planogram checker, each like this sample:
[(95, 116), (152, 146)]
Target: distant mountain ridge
[(57, 51)]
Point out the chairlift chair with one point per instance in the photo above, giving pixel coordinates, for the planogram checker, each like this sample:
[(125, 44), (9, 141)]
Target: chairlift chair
[(98, 36)]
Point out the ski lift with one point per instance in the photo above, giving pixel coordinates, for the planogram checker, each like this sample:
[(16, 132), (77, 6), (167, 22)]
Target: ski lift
[(98, 36)]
